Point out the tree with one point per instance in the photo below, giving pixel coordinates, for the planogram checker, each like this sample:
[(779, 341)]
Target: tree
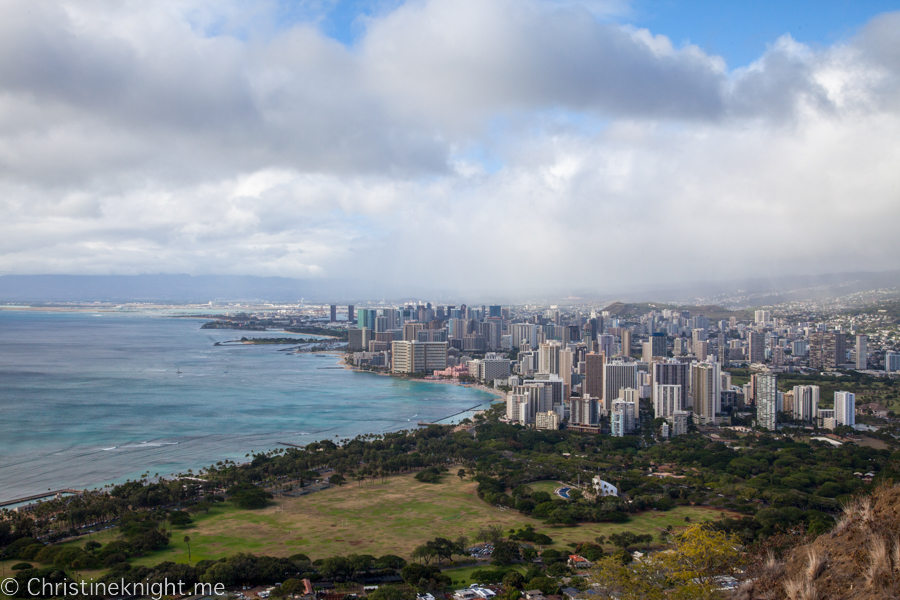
[(461, 474), (505, 553), (698, 556), (337, 478), (187, 540)]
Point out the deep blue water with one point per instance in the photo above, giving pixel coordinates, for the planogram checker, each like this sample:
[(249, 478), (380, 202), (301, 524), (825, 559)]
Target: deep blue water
[(92, 398)]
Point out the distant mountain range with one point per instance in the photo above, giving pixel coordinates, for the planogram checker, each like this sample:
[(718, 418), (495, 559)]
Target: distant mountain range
[(206, 288)]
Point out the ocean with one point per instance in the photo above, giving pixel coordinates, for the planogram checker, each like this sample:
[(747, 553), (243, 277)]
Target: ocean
[(95, 398)]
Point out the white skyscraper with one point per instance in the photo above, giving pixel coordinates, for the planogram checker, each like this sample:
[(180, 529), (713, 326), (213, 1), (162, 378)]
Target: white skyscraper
[(845, 408), (766, 401), (806, 402), (616, 376), (706, 391), (666, 400)]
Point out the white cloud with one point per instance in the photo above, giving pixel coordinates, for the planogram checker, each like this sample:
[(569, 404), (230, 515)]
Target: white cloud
[(458, 144)]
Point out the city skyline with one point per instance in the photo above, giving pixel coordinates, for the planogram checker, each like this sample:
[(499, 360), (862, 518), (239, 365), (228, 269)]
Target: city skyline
[(599, 144)]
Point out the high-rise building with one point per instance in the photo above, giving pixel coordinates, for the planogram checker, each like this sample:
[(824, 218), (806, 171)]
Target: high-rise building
[(766, 401), (757, 352), (617, 376), (827, 350), (672, 372), (626, 342), (418, 357), (666, 400), (706, 391), (845, 408), (411, 331), (891, 362), (622, 417), (333, 313), (495, 311), (350, 314), (862, 352), (607, 344), (548, 358), (680, 422), (583, 410), (593, 375), (806, 402), (358, 339), (658, 345), (762, 317), (546, 420), (701, 349)]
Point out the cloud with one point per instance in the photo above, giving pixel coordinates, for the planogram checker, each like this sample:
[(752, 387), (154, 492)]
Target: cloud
[(467, 145)]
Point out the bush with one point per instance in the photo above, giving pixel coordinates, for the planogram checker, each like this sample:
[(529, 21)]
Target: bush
[(21, 566)]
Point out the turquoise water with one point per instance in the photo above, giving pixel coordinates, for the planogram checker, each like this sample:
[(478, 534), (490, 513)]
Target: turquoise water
[(88, 399)]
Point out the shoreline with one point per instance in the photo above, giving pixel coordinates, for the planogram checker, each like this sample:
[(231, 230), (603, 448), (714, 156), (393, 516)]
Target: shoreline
[(444, 381)]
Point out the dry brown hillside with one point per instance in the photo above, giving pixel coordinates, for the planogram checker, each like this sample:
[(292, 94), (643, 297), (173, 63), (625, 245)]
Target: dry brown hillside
[(858, 560)]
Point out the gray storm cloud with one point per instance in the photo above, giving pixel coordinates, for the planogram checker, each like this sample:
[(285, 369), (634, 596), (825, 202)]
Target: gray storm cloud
[(458, 143)]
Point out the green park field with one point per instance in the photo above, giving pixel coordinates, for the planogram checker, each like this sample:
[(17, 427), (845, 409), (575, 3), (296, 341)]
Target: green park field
[(390, 517)]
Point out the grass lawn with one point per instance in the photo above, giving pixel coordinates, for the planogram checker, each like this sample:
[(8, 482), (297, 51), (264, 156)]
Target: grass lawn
[(463, 575), (378, 518), (546, 486)]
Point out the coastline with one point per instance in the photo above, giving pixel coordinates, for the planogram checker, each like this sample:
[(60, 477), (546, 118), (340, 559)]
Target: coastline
[(452, 381)]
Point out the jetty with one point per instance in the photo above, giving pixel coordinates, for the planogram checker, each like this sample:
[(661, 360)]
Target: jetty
[(438, 422), (42, 496)]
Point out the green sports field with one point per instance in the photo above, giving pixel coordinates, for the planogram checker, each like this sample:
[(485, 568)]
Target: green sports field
[(390, 517)]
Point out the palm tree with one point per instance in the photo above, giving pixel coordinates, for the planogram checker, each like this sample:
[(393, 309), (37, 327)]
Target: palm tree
[(187, 540)]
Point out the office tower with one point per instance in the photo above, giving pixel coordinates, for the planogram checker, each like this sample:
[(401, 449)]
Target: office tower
[(762, 317), (845, 408), (350, 314), (626, 342), (827, 350), (607, 344), (492, 331), (757, 353), (806, 402), (617, 376), (548, 359), (658, 344), (862, 352), (622, 417), (699, 335), (593, 375), (680, 346), (706, 391), (381, 324), (766, 401), (495, 311), (891, 362), (333, 313), (418, 357)]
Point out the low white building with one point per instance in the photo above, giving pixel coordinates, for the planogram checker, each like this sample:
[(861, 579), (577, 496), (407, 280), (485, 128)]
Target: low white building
[(604, 488)]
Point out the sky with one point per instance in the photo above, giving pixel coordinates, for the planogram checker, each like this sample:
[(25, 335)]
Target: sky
[(465, 145)]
